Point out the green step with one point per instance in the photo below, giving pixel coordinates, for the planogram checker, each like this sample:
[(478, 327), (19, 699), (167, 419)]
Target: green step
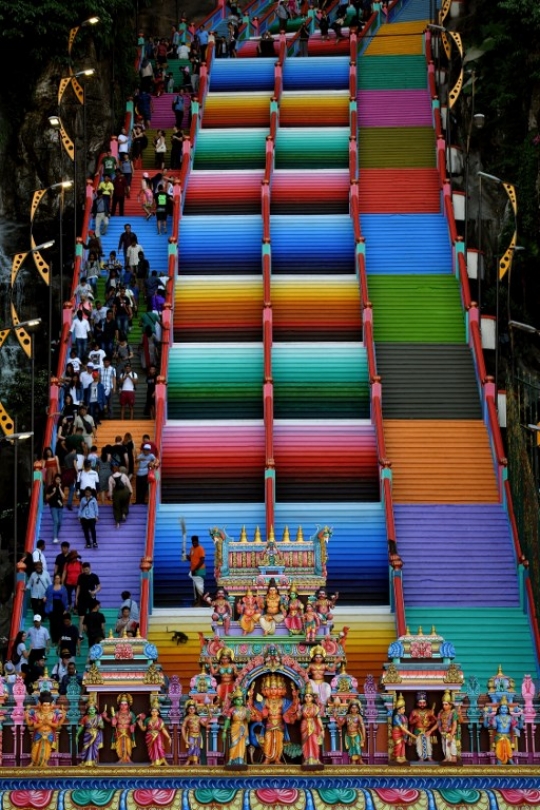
[(231, 149), (392, 73), (416, 309), (396, 148), (484, 639), (312, 148), (135, 333), (110, 614)]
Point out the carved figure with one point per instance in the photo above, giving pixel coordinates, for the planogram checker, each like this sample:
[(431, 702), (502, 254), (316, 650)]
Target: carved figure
[(528, 692), (506, 727), (311, 728), (272, 610), (423, 723), (192, 733), (311, 623), (295, 612), (43, 722), (226, 672), (249, 611), (123, 722), (355, 731), (324, 606), (91, 727), (448, 724), (400, 731), (156, 736), (316, 670), (235, 728), (275, 710), (222, 612)]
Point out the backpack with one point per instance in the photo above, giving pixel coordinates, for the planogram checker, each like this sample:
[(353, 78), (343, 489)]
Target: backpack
[(178, 104), (118, 483), (15, 657)]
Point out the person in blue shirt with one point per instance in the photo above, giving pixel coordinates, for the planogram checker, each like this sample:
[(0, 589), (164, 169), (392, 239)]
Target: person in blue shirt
[(89, 515)]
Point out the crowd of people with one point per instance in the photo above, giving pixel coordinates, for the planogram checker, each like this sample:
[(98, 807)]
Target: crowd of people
[(112, 474), (73, 590)]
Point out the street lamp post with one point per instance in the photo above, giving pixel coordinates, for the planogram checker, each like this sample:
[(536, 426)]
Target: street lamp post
[(28, 327), (69, 145), (63, 186), (75, 30), (80, 92), (476, 122), (503, 263)]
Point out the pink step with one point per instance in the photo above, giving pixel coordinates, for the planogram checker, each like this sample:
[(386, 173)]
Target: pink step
[(394, 108)]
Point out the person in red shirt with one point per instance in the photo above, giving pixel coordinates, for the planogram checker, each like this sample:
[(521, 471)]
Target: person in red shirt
[(197, 571)]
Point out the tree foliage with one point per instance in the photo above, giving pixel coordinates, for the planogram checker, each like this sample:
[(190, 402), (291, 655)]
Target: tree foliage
[(36, 33)]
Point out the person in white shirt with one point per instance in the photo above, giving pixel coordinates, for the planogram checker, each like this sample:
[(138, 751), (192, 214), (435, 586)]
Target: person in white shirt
[(89, 478), (81, 331), (123, 142), (108, 378), (38, 582), (85, 377), (97, 356), (39, 554), (128, 384)]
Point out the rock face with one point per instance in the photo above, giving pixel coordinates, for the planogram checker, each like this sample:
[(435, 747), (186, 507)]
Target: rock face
[(38, 160)]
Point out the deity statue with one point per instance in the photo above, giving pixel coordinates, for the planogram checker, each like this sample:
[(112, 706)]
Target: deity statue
[(423, 723), (235, 728), (311, 728), (316, 670), (355, 730), (91, 727), (295, 611), (400, 731), (506, 727), (272, 610), (226, 671), (43, 722), (311, 623), (192, 733), (275, 710), (248, 608), (324, 606), (222, 612), (449, 728), (123, 722), (156, 736)]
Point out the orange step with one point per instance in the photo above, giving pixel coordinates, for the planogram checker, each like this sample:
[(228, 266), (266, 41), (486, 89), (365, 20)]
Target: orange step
[(440, 461)]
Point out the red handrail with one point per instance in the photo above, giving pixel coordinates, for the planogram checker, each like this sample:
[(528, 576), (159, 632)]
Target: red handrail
[(475, 340), (464, 280), (494, 424), (449, 210), (441, 159)]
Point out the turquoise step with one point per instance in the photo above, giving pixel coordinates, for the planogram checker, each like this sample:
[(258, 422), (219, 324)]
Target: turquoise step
[(484, 638)]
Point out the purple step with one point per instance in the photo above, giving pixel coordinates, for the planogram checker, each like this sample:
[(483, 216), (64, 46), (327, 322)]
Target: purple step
[(393, 108), (162, 114), (456, 555), (116, 560)]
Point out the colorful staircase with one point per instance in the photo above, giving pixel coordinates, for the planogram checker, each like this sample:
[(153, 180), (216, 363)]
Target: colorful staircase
[(213, 465), (453, 534)]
